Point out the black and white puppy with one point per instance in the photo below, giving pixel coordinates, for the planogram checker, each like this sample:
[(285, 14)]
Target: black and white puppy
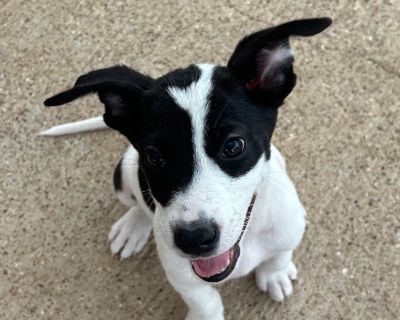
[(201, 170)]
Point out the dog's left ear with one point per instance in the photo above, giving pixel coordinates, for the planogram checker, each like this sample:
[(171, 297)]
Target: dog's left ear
[(263, 61)]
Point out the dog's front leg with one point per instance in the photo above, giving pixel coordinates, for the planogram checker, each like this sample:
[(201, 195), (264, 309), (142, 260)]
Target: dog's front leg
[(203, 300), (275, 276)]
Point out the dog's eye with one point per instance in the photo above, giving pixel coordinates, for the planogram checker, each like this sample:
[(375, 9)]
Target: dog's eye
[(154, 158), (233, 147)]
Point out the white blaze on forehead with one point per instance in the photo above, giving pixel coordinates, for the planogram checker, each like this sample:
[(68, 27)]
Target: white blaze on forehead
[(194, 99), (212, 193)]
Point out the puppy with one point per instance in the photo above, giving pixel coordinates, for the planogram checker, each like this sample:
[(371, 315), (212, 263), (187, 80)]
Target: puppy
[(201, 170)]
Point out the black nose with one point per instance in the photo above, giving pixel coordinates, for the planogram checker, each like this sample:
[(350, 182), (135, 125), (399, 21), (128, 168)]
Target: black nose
[(197, 237)]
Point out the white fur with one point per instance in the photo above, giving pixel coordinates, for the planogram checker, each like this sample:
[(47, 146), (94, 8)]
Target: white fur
[(211, 193), (275, 276), (274, 230), (90, 124), (130, 233)]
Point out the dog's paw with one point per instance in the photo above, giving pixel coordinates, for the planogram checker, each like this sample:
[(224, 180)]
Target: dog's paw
[(130, 233), (192, 316), (278, 284)]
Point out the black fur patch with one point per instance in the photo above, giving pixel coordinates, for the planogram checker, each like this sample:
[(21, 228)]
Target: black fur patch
[(232, 112), (243, 102), (144, 188), (166, 127), (118, 177), (180, 78)]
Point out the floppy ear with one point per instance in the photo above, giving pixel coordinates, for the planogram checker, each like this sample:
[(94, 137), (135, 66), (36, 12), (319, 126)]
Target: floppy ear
[(119, 88), (263, 61)]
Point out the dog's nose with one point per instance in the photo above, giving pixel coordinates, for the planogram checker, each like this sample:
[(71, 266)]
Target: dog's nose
[(198, 237)]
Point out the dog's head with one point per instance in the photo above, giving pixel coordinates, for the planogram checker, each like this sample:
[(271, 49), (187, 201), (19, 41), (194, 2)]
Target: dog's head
[(203, 135)]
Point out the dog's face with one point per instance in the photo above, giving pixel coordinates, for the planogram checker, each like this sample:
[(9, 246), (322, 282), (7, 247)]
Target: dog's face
[(203, 135), (203, 160)]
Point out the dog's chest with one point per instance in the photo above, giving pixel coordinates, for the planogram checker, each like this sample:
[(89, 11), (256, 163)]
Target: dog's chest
[(256, 248)]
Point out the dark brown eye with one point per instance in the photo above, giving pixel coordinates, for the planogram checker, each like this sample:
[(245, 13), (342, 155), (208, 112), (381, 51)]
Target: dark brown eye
[(233, 147), (154, 158)]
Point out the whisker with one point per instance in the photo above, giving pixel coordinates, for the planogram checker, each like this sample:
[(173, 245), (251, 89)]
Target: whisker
[(220, 114), (289, 136)]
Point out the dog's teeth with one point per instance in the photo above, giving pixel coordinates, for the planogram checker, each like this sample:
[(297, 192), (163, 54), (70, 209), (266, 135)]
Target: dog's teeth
[(227, 263)]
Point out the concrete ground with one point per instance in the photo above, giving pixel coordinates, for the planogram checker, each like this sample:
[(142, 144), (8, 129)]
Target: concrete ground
[(339, 132)]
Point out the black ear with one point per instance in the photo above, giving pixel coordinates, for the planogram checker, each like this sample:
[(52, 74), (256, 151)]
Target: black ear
[(263, 61), (119, 88)]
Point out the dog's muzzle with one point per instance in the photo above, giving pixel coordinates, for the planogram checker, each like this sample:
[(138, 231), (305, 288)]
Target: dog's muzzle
[(217, 268)]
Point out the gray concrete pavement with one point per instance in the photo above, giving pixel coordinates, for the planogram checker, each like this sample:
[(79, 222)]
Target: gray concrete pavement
[(339, 132)]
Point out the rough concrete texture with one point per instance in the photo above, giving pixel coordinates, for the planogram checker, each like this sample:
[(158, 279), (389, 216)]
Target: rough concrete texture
[(339, 132)]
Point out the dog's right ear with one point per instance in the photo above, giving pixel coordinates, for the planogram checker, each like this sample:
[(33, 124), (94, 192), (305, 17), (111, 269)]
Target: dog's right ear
[(119, 88)]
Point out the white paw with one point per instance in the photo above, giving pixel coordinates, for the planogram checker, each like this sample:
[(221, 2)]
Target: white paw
[(193, 316), (130, 233), (278, 284)]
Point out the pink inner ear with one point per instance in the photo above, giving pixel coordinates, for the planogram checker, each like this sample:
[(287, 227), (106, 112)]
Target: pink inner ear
[(270, 63), (253, 84)]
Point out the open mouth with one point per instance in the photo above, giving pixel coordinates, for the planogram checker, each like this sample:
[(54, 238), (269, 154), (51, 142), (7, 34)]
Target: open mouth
[(217, 268)]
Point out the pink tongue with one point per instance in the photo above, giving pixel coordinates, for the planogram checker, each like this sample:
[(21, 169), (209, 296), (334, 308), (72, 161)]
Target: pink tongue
[(206, 268)]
